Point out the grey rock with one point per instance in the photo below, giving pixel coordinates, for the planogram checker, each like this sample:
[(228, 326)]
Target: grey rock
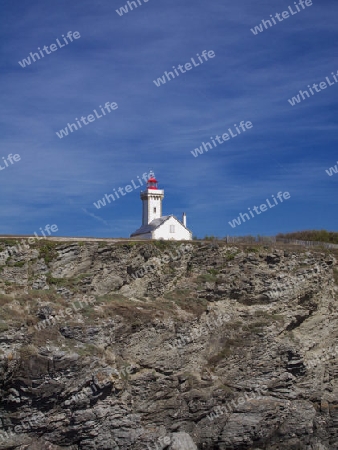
[(220, 348)]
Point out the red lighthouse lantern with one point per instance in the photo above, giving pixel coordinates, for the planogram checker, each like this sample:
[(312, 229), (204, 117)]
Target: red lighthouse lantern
[(152, 183)]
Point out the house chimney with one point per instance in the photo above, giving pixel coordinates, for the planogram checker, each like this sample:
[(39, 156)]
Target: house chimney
[(184, 219)]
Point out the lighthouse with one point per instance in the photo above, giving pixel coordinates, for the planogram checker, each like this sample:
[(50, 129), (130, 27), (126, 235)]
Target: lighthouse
[(151, 201), (154, 225)]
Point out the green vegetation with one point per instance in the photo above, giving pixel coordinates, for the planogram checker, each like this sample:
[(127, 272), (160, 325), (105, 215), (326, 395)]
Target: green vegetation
[(10, 242), (19, 264), (70, 283), (131, 244), (3, 327), (89, 350), (102, 244), (253, 249), (209, 277), (257, 327), (164, 245), (213, 271), (246, 239), (227, 389), (231, 254), (160, 244), (267, 315), (47, 250), (183, 299), (215, 359), (312, 235), (228, 348)]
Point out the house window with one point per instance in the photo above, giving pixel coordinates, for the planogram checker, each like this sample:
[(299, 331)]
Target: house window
[(154, 210), (172, 228)]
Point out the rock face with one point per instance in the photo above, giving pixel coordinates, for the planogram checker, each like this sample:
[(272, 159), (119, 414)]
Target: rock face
[(167, 346)]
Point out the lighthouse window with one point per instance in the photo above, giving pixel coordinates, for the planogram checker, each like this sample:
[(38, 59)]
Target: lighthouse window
[(172, 228), (154, 210)]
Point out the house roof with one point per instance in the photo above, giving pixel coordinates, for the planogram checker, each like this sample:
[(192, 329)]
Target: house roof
[(151, 226), (154, 224)]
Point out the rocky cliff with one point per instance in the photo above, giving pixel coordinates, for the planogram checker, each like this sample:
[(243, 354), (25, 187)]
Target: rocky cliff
[(159, 345)]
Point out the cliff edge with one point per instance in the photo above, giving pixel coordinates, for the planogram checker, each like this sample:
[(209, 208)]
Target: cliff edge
[(167, 345)]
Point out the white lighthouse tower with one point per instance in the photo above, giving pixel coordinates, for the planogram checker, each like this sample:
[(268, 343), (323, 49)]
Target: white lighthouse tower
[(154, 225), (152, 201)]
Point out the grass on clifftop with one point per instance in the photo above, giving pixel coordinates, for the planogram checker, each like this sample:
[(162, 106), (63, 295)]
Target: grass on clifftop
[(312, 235)]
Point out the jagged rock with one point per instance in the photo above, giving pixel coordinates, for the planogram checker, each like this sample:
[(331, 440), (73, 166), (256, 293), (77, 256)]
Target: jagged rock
[(211, 347), (182, 441)]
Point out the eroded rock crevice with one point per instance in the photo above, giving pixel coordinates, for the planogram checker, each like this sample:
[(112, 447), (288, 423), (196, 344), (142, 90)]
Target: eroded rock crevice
[(183, 346)]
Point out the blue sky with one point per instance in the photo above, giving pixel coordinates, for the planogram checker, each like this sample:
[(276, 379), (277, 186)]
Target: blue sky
[(116, 59)]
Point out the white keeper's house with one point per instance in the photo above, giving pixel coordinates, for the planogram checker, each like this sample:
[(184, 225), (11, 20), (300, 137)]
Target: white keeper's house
[(156, 226)]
